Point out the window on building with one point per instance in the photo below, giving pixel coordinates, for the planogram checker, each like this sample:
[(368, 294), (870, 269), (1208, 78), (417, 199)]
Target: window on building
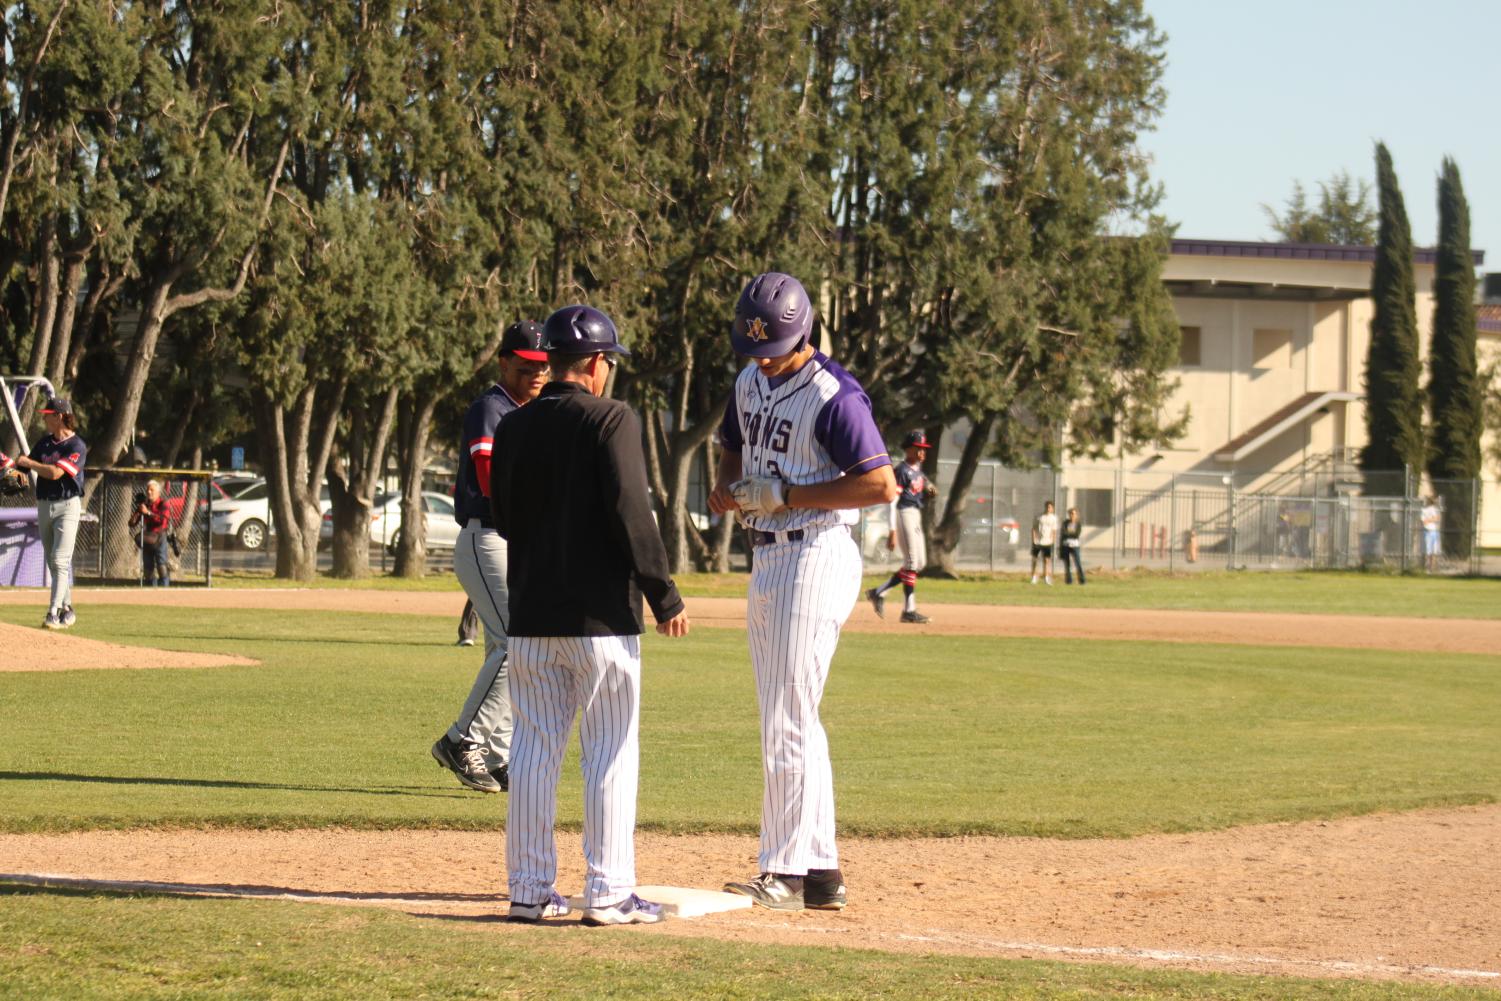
[(1272, 349), (1095, 504), (1188, 349)]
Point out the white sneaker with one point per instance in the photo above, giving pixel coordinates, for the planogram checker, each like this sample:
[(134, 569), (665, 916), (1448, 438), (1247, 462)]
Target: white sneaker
[(1048, 581), (1034, 578)]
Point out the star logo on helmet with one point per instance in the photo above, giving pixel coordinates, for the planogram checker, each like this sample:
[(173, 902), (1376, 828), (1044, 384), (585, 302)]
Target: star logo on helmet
[(756, 330)]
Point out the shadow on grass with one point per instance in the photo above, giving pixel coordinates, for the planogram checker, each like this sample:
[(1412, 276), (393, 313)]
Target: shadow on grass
[(421, 791), (23, 883)]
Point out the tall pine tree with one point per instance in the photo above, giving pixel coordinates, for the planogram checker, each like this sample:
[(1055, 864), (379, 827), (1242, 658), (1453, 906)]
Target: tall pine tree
[(1455, 397), (1394, 402)]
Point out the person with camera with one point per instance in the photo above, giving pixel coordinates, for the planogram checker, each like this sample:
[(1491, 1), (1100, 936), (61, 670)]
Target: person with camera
[(154, 520), (56, 463)]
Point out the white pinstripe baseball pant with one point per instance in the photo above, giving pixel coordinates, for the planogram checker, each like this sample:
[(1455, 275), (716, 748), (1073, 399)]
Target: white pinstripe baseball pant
[(800, 595), (552, 680)]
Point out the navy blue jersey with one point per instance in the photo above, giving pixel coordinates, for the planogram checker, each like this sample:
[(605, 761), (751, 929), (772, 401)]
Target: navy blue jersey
[(471, 494), (68, 455), (914, 485)]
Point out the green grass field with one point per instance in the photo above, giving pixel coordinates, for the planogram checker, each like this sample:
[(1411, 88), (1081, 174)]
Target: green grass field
[(932, 735)]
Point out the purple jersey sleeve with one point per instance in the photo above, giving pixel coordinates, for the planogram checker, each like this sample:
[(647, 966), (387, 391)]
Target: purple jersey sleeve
[(847, 431), (729, 427)]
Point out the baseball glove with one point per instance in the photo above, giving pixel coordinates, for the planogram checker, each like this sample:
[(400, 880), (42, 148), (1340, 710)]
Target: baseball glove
[(12, 484), (759, 495)]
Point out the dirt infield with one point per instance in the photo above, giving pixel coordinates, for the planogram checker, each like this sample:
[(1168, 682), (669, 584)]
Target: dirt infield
[(1178, 626), (1397, 897), (39, 649)]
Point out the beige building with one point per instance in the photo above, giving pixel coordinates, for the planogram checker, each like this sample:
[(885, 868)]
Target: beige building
[(1274, 345)]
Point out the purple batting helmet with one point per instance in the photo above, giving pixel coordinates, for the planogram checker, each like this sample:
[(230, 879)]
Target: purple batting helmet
[(774, 316), (580, 330)]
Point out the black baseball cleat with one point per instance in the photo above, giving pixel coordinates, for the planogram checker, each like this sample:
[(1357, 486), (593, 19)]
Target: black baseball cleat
[(877, 601), (823, 890), (780, 893), (467, 762), (502, 776), (917, 617)]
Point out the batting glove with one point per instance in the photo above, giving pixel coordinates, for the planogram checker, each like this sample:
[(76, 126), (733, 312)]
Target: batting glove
[(759, 494)]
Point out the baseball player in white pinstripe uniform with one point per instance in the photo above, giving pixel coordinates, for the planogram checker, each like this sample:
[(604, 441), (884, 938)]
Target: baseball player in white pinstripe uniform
[(569, 493), (801, 455)]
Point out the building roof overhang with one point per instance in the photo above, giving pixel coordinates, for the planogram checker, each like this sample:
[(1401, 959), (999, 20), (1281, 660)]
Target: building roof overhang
[(1282, 420), (1266, 291)]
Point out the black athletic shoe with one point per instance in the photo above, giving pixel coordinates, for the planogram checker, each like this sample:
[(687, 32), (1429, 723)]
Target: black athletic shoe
[(780, 893), (877, 601), (502, 777), (823, 890), (467, 762), (916, 617)]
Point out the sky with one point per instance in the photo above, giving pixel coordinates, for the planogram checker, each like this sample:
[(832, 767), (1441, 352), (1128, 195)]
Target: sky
[(1261, 95)]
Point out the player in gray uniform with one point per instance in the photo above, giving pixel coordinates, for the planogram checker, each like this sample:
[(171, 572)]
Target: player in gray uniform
[(801, 455), (477, 746), (906, 529), (56, 463)]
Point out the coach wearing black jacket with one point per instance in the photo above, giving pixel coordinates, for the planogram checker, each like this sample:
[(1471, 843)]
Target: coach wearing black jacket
[(568, 489)]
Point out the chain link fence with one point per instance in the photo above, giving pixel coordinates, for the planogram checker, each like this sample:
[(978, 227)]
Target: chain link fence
[(109, 547), (1332, 516)]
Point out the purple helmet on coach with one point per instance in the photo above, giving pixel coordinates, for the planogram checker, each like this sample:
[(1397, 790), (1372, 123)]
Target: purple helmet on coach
[(580, 330), (774, 316)]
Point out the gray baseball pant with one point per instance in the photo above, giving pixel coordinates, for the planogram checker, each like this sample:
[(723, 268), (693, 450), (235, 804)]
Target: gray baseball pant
[(479, 560)]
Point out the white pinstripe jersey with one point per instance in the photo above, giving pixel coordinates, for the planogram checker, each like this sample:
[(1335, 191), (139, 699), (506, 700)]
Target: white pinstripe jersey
[(810, 427)]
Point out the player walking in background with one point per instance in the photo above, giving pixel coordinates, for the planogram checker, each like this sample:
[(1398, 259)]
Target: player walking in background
[(906, 528), (57, 462), (477, 746), (1044, 533), (570, 495), (801, 455)]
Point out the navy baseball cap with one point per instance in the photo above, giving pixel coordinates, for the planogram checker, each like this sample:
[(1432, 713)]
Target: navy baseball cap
[(58, 405), (581, 330), (524, 340)]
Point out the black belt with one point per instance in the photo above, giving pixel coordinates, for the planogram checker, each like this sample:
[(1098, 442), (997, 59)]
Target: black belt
[(759, 538)]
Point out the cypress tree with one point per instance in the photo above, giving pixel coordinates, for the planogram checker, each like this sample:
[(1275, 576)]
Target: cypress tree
[(1394, 402), (1455, 398)]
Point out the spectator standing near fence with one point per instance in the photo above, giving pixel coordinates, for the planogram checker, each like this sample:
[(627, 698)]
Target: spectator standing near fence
[(152, 519), (57, 462), (1044, 533), (1069, 547), (1432, 518)]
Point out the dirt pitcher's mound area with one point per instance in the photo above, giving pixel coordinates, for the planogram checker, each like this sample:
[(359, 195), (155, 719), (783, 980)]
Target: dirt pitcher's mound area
[(1388, 896), (45, 650)]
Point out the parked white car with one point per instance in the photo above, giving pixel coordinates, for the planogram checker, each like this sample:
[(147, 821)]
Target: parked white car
[(246, 516), (385, 521)]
